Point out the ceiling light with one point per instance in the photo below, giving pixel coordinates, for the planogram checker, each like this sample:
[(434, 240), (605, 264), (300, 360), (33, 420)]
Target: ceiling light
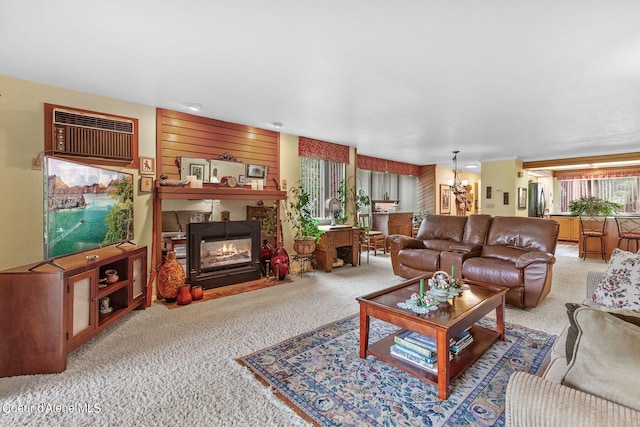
[(276, 125), (471, 165), (194, 107)]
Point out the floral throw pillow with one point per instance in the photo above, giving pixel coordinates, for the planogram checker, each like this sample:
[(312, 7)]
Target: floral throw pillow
[(620, 285)]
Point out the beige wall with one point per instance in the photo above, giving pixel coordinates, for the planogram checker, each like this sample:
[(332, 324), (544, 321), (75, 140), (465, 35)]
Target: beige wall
[(22, 138), (289, 172), (502, 177)]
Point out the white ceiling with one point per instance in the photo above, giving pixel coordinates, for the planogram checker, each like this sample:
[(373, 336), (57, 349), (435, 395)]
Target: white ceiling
[(408, 81)]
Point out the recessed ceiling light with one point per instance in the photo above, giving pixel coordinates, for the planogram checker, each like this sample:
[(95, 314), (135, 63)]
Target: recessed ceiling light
[(194, 107), (471, 165), (276, 125)]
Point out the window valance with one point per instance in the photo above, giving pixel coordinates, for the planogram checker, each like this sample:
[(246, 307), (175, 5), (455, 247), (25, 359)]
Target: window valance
[(597, 173), (381, 165), (309, 147)]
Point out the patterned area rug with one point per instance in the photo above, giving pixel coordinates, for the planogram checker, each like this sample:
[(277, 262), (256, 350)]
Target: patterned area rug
[(320, 375)]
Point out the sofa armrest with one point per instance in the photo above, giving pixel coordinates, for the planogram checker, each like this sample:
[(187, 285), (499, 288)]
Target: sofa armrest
[(533, 257), (399, 241), (534, 401), (593, 280)]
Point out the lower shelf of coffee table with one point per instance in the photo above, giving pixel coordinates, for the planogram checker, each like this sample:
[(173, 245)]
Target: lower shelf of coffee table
[(483, 338)]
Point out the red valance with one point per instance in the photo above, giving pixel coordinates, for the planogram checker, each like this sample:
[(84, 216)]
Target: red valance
[(597, 173), (381, 165), (309, 147)]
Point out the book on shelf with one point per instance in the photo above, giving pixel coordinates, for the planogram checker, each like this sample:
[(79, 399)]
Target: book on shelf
[(421, 340), (398, 353), (425, 351), (413, 354), (456, 349), (427, 347)]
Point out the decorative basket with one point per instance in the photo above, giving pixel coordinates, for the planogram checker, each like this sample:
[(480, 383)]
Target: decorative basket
[(444, 287)]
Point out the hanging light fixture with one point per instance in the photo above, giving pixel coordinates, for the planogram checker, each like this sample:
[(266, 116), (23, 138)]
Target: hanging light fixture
[(457, 188)]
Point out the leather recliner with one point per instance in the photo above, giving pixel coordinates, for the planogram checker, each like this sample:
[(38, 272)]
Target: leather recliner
[(518, 254)]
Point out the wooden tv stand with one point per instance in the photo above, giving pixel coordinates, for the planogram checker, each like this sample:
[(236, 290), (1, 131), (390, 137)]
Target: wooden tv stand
[(47, 312)]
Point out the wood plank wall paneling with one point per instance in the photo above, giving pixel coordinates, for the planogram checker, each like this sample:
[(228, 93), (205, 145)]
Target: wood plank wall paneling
[(427, 188), (180, 134)]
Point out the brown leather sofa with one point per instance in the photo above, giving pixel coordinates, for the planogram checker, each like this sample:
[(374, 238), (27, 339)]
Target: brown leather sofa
[(515, 252)]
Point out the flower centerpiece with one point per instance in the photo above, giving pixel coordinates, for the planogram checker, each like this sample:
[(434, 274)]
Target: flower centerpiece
[(443, 287), (420, 302)]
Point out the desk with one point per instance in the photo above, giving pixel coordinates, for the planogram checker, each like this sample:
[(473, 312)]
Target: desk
[(334, 237)]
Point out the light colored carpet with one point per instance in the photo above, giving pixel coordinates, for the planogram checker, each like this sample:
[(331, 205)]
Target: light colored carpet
[(162, 367)]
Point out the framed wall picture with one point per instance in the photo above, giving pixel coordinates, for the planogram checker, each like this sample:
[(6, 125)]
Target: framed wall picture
[(146, 184), (242, 180), (505, 198), (256, 171), (197, 170), (488, 195), (445, 199), (147, 166), (522, 198)]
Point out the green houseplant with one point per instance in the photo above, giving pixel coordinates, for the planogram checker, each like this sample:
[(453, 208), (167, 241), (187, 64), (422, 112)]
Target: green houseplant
[(593, 206), (305, 226)]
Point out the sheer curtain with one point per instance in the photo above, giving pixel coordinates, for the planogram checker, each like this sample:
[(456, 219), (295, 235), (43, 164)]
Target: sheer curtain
[(619, 190), (321, 179)]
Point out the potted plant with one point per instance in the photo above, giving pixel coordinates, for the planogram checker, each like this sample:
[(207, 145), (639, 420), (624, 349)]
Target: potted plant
[(305, 226), (593, 206)]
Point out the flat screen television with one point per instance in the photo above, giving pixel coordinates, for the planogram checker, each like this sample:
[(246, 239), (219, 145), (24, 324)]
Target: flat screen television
[(86, 207)]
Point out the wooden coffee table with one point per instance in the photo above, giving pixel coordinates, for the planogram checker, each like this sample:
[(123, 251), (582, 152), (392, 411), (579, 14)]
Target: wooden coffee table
[(449, 320)]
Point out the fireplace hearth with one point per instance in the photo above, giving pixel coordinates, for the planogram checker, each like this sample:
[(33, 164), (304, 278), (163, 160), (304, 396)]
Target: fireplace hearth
[(223, 253)]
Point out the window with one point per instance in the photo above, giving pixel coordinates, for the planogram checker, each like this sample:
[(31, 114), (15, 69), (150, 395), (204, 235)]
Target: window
[(321, 179), (403, 187), (619, 190)]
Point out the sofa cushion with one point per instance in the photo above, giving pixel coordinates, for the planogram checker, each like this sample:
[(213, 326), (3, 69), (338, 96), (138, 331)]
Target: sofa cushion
[(475, 231), (572, 330), (605, 360), (442, 227), (620, 285), (529, 234)]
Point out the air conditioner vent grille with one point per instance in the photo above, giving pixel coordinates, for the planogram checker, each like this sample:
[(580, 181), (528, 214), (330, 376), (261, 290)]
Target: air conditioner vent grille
[(90, 121), (93, 135)]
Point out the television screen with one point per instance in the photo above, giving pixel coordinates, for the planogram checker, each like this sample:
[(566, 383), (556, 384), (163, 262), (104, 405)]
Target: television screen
[(85, 207)]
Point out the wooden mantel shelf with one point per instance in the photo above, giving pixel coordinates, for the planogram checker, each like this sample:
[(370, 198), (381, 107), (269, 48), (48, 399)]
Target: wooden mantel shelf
[(219, 193)]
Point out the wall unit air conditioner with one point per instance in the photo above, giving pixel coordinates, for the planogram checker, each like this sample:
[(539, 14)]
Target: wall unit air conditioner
[(79, 133)]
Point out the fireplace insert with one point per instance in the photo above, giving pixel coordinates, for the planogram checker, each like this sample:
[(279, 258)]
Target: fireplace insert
[(223, 253)]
